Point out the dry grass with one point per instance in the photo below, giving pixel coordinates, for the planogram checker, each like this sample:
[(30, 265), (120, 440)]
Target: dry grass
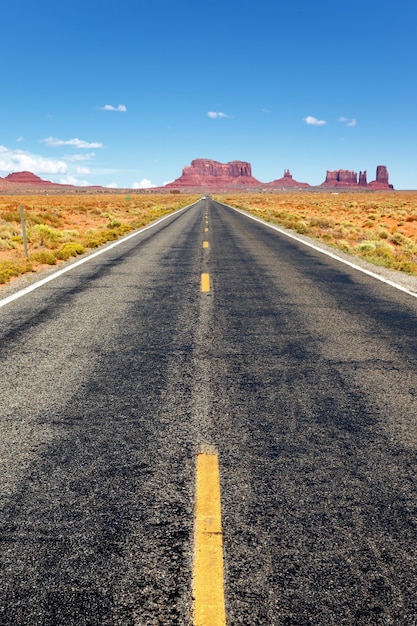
[(62, 226), (379, 226)]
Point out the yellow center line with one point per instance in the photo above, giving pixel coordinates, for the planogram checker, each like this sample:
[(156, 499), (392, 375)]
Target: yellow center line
[(208, 583), (206, 230), (205, 244), (205, 282)]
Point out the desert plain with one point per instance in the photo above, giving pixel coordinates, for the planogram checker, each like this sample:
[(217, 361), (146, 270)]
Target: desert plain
[(380, 227)]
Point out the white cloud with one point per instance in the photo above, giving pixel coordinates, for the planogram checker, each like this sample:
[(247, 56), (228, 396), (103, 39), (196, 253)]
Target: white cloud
[(112, 185), (20, 160), (347, 121), (20, 139), (80, 157), (145, 183), (82, 170), (216, 114), (109, 107), (77, 143), (72, 180), (313, 121)]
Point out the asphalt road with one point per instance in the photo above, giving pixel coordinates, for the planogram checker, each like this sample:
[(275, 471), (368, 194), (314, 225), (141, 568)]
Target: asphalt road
[(299, 371)]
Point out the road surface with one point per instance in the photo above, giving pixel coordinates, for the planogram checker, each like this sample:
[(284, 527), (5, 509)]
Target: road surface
[(297, 371)]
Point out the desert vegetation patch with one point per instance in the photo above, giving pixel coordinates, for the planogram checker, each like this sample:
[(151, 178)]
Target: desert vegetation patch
[(380, 227), (63, 226)]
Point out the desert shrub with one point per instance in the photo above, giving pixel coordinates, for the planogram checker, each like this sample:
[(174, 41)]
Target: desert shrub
[(63, 254), (69, 249), (43, 256), (96, 238), (10, 269), (32, 219), (384, 250), (125, 228), (377, 252), (302, 228), (137, 223), (405, 242), (321, 222), (7, 244), (5, 275), (110, 235), (365, 247), (10, 216), (406, 266), (343, 245), (44, 235), (48, 218), (69, 235), (288, 220), (375, 248), (339, 233), (7, 231), (382, 233), (93, 241), (114, 224)]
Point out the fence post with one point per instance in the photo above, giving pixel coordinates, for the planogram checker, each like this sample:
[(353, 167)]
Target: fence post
[(25, 242)]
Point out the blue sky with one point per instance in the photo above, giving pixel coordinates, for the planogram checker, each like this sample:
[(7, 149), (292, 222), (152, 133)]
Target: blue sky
[(126, 93)]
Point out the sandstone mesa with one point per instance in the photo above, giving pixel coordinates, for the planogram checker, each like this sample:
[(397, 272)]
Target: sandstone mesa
[(209, 175), (214, 176), (347, 178)]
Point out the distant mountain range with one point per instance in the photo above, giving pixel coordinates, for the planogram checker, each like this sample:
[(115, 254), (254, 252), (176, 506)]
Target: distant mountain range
[(209, 175)]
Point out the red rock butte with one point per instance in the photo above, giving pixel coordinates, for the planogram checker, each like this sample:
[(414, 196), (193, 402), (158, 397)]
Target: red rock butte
[(348, 178), (27, 178), (286, 181), (209, 175), (212, 175)]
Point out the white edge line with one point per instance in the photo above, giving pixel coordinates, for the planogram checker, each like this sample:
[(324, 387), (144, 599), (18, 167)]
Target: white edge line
[(43, 281), (326, 252)]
